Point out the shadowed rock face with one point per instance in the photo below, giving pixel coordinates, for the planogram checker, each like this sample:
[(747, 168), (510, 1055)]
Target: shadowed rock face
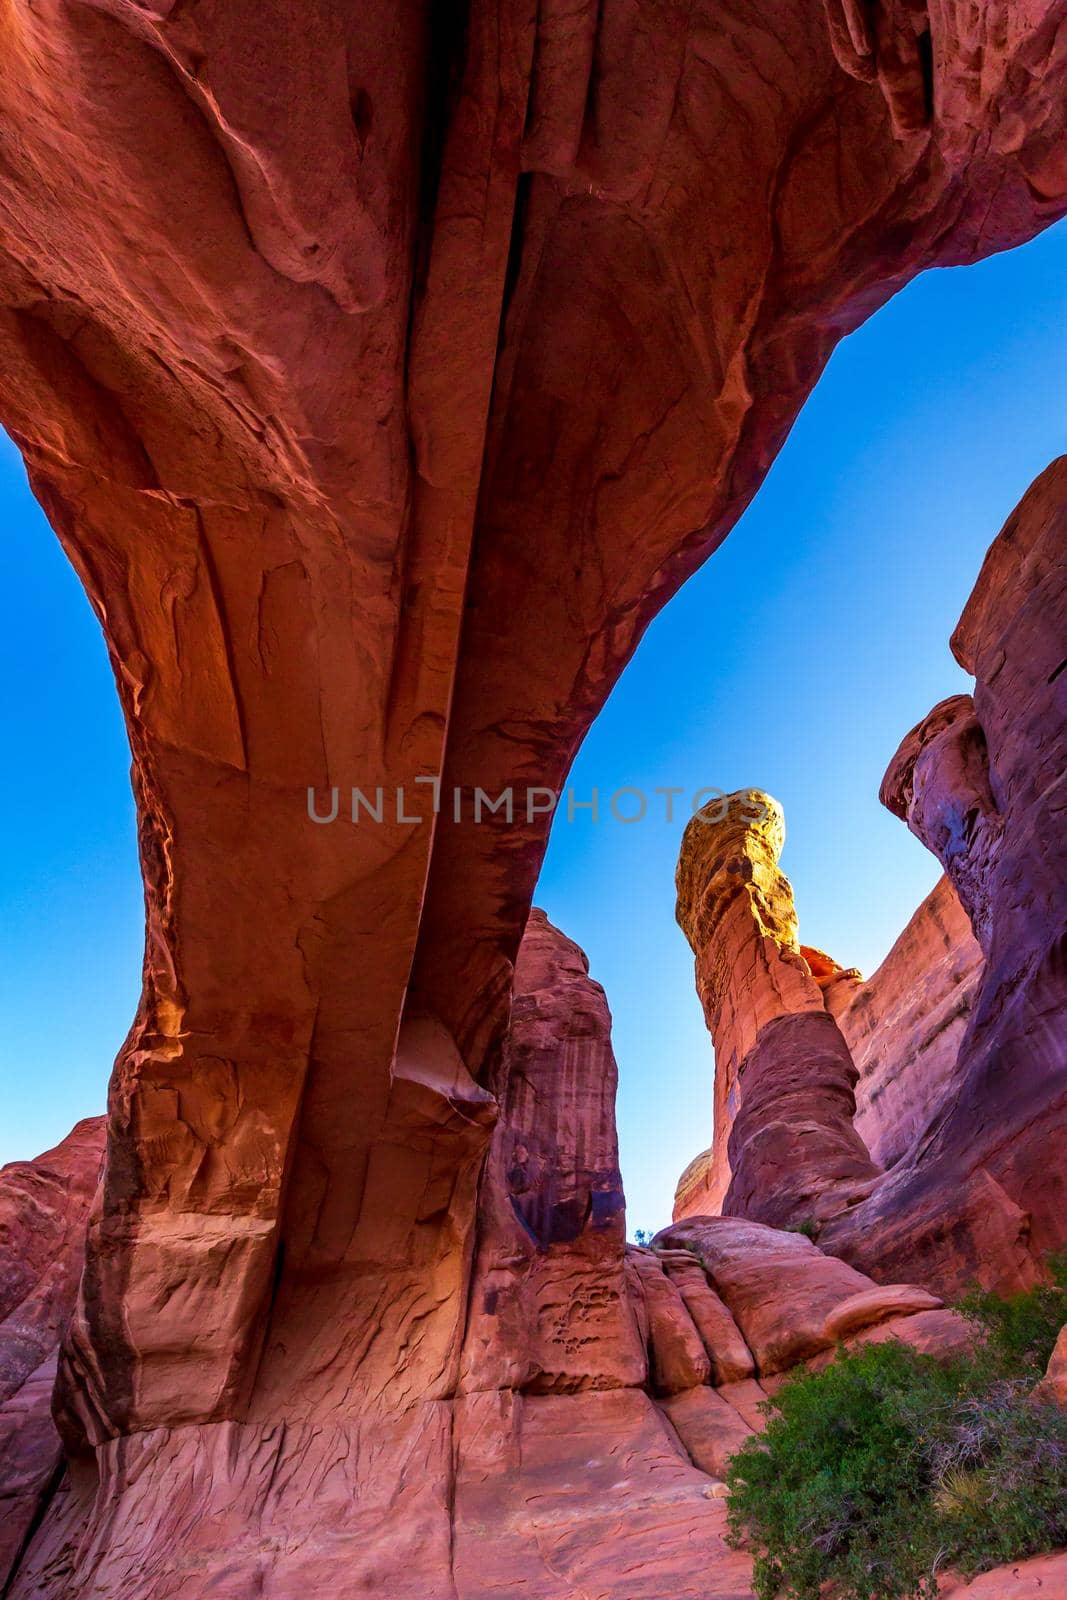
[(975, 1131), (984, 1193), (786, 1150), (383, 372), (939, 784), (382, 377), (603, 1390), (549, 1309), (44, 1207)]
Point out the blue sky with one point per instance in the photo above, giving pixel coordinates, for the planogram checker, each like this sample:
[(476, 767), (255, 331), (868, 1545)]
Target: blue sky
[(794, 661)]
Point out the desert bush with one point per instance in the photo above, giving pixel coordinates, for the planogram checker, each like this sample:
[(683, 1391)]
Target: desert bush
[(889, 1466), (1017, 1332)]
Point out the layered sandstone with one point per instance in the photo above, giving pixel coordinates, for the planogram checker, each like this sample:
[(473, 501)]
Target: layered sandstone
[(383, 372), (604, 1389), (325, 362), (549, 1308), (960, 1033), (903, 1028), (984, 782), (785, 1146), (905, 1024), (44, 1208), (939, 783)]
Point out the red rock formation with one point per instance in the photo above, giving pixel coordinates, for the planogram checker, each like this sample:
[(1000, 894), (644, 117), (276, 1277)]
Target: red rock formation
[(549, 1307), (976, 1131), (905, 1024), (1053, 1386), (731, 1359), (985, 1192), (505, 1485), (784, 1077), (939, 784), (789, 1300), (903, 1027), (325, 362), (1037, 1579), (736, 909), (383, 372), (44, 1206)]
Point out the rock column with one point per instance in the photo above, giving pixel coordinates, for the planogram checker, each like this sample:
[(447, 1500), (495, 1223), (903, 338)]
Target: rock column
[(785, 1149)]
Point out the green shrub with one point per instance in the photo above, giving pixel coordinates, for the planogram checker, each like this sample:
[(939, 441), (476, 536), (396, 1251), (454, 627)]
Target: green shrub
[(889, 1466), (809, 1228), (999, 1467), (1018, 1331)]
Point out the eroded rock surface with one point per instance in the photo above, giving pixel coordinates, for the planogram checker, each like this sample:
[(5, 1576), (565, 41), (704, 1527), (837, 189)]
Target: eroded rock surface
[(383, 372), (602, 1389), (44, 1208), (905, 1024), (549, 1307), (984, 1193), (939, 783), (789, 1300), (784, 1075), (325, 363), (903, 1029), (961, 1032)]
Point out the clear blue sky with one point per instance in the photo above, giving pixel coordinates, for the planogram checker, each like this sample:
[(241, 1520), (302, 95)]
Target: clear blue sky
[(794, 661)]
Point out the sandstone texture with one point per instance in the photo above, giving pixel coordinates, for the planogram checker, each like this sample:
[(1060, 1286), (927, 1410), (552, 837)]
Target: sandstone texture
[(383, 377), (958, 1041), (1038, 1579), (602, 1387), (905, 1024), (902, 1028), (549, 1309), (383, 371), (44, 1209), (786, 1149), (983, 1193), (789, 1300), (939, 783), (1053, 1386), (736, 909)]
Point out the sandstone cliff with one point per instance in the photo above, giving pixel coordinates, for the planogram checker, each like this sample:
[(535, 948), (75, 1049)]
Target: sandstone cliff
[(905, 1025), (44, 1208), (383, 371), (903, 1028), (960, 1034), (984, 1192), (381, 392), (602, 1387)]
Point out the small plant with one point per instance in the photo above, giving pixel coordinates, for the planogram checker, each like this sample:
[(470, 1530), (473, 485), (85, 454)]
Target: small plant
[(809, 1228), (644, 1238), (1018, 1331), (960, 1492), (888, 1467)]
